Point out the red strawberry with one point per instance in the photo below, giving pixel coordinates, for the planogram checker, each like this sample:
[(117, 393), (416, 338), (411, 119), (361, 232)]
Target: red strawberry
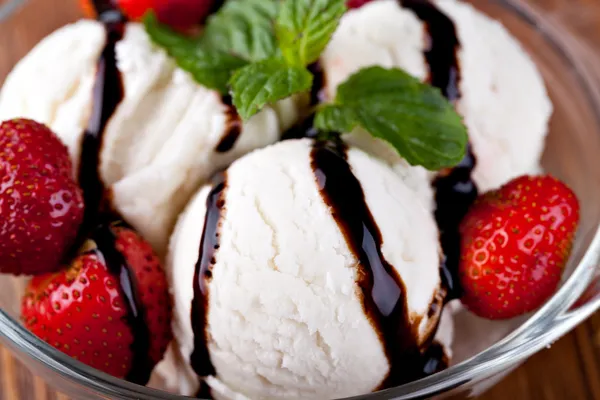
[(85, 312), (135, 9), (41, 206), (356, 3), (176, 13), (515, 244), (81, 312)]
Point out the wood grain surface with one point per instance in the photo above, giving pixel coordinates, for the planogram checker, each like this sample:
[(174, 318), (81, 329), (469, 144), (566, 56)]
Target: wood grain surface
[(570, 369)]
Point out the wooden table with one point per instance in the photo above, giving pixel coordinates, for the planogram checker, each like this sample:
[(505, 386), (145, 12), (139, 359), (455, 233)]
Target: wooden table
[(570, 369)]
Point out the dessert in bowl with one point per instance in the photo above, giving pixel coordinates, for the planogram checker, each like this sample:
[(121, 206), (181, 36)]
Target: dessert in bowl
[(311, 267)]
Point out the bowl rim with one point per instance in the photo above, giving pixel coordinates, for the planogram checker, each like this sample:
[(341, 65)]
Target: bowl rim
[(538, 331)]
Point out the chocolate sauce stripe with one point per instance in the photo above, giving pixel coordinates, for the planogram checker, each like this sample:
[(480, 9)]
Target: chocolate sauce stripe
[(105, 239), (442, 56), (107, 94), (318, 90), (455, 191), (233, 126), (209, 244), (383, 291)]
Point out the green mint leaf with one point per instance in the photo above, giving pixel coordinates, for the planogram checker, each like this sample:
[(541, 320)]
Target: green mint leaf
[(412, 116), (240, 33), (212, 69), (243, 28), (305, 27), (163, 36), (209, 67), (266, 82), (333, 118)]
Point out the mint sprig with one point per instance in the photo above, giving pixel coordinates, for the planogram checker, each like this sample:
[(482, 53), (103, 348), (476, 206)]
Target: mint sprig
[(209, 67), (243, 28), (239, 45), (240, 33), (304, 28), (412, 116), (266, 82)]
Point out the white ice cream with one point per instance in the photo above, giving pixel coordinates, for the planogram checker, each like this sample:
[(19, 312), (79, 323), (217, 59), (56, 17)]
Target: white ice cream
[(504, 101), (285, 317), (159, 146)]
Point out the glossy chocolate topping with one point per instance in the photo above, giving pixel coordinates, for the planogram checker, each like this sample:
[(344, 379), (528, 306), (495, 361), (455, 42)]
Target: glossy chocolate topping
[(455, 189), (317, 91), (383, 291), (233, 127), (107, 94), (209, 246), (105, 239), (99, 222), (442, 54)]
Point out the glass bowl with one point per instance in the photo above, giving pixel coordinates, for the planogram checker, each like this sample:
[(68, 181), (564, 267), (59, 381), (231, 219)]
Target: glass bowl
[(485, 350)]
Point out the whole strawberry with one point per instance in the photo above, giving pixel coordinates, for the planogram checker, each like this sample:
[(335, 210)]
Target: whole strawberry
[(176, 13), (515, 244), (41, 206), (109, 309)]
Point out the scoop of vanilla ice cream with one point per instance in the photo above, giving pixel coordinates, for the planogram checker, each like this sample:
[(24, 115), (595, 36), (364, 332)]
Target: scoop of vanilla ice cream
[(504, 101), (285, 314), (160, 144)]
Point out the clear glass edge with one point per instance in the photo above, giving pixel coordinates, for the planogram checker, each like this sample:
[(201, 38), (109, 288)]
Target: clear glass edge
[(547, 325)]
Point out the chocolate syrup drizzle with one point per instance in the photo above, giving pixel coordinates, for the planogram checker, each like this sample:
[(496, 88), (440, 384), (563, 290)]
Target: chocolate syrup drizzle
[(455, 189), (442, 54), (105, 239), (317, 90), (383, 291), (108, 93), (233, 126), (303, 129), (435, 358), (205, 392), (455, 193), (215, 204), (99, 220)]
